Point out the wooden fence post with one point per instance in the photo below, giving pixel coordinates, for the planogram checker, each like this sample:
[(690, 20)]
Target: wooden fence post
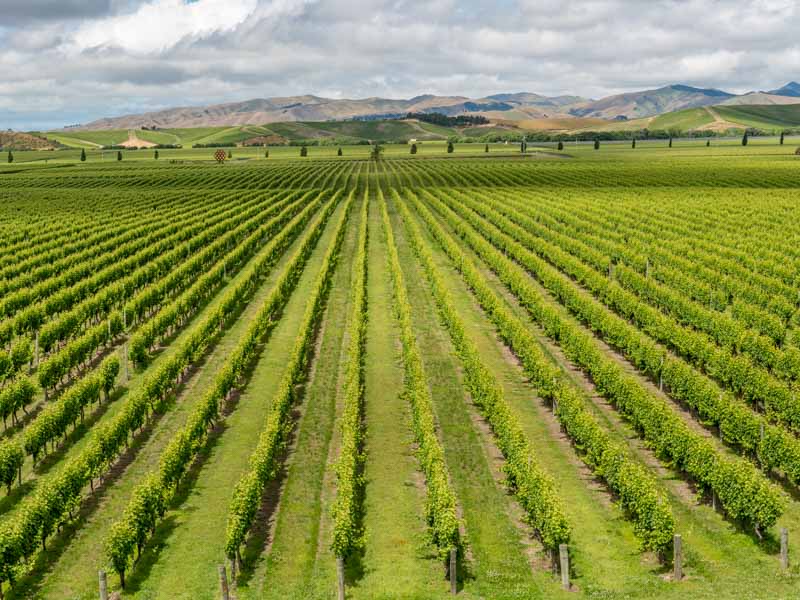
[(125, 360), (677, 561), (103, 585), (233, 571), (784, 548), (453, 571), (223, 582), (563, 551), (340, 576)]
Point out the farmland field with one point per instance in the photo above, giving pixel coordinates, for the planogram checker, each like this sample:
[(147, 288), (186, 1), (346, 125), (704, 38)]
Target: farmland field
[(274, 363)]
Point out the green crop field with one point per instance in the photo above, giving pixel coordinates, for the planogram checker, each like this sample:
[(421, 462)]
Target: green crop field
[(566, 369), (89, 139), (682, 120), (769, 118)]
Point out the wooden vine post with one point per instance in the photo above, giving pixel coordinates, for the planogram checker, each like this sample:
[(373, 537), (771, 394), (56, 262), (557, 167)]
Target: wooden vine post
[(103, 585), (223, 582), (677, 562), (340, 577), (784, 548), (454, 571), (563, 552)]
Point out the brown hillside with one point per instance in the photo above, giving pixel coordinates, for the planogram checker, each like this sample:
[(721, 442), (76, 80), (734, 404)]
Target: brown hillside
[(12, 140)]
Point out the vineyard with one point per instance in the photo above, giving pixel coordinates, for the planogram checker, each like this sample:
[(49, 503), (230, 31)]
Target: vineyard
[(543, 376)]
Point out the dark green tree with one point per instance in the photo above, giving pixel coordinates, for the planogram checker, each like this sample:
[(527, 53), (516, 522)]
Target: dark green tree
[(303, 151), (339, 152), (155, 155), (83, 154), (230, 154), (708, 143), (782, 138), (413, 149), (10, 157), (119, 154), (486, 148), (450, 147), (744, 138), (266, 153), (560, 145), (670, 141), (376, 152), (633, 143), (597, 144)]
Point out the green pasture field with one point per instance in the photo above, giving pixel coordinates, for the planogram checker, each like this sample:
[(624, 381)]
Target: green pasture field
[(595, 348)]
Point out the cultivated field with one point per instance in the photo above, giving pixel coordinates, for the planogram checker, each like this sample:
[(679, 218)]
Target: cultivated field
[(281, 365)]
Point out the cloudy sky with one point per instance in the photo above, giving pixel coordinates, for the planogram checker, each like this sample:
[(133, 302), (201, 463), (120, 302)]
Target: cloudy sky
[(71, 61)]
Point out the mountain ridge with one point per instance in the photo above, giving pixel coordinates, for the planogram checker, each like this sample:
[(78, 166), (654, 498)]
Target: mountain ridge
[(508, 106)]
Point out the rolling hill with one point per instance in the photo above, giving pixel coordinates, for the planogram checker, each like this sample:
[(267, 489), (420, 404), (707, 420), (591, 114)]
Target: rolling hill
[(519, 106), (13, 140), (650, 102)]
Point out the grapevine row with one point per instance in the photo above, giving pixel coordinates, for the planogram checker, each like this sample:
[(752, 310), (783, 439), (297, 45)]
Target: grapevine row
[(263, 462), (639, 495), (347, 532), (440, 507), (533, 487), (150, 499), (739, 427), (744, 493), (55, 499)]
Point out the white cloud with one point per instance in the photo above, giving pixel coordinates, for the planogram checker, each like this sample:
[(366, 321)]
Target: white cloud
[(120, 56), (161, 24)]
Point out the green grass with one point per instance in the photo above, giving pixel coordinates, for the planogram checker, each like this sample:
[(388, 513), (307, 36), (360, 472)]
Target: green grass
[(437, 130), (158, 137), (397, 561), (299, 131), (497, 561), (73, 561), (769, 118), (190, 135), (288, 569), (682, 120), (721, 559), (230, 136), (688, 187), (89, 139), (182, 560)]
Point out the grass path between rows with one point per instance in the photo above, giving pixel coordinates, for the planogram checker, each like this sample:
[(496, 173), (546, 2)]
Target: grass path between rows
[(296, 546), (604, 547), (75, 557), (95, 413), (397, 560), (497, 560), (190, 543), (720, 560)]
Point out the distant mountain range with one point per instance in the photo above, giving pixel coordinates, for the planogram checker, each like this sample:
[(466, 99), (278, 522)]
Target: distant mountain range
[(512, 107)]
